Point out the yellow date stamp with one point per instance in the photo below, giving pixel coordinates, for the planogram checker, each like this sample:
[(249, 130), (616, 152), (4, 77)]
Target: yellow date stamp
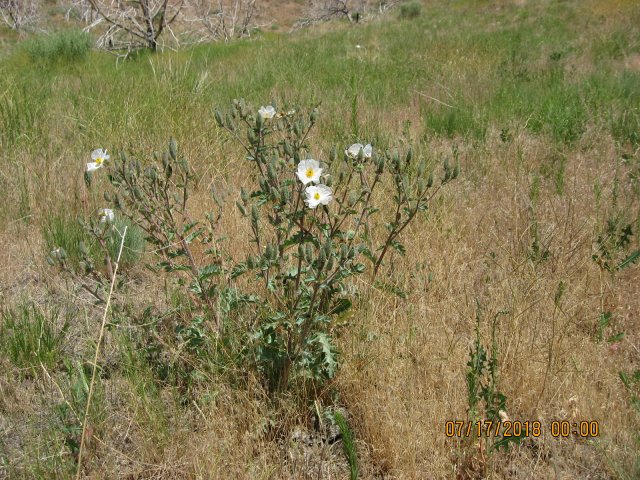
[(516, 428)]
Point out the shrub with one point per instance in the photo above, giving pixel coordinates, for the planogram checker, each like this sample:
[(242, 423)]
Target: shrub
[(64, 46), (410, 10)]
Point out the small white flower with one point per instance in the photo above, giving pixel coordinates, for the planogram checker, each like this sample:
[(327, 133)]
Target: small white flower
[(309, 171), (318, 195), (106, 215), (358, 46), (354, 150), (98, 156), (267, 112)]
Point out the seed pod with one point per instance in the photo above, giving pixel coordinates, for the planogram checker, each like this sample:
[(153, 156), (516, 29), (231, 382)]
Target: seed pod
[(353, 198), (251, 264), (422, 166), (219, 119), (173, 148), (271, 171), (297, 129), (380, 164), (322, 258), (352, 253), (251, 136), (328, 247), (137, 193)]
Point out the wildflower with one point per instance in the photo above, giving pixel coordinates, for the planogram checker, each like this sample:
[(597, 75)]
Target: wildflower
[(106, 215), (358, 46), (267, 112), (503, 415), (354, 150), (309, 171), (98, 156), (318, 195)]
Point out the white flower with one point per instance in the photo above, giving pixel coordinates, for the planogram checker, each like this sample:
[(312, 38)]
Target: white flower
[(354, 150), (318, 195), (358, 46), (106, 215), (267, 112), (98, 156), (309, 171)]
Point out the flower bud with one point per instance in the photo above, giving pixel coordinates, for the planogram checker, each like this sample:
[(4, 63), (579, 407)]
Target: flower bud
[(333, 154), (244, 196), (259, 122), (430, 181), (330, 263), (308, 253), (173, 148), (243, 211), (344, 251), (254, 214), (313, 118), (219, 119)]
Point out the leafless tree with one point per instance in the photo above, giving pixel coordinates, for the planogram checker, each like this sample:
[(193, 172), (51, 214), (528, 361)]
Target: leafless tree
[(354, 10), (133, 24), (19, 13), (219, 19)]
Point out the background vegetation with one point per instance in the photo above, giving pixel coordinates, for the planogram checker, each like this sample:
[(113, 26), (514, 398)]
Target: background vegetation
[(539, 101)]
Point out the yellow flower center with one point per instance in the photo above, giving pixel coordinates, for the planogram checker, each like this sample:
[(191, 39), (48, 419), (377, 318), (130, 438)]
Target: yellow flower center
[(316, 196), (309, 172), (99, 160)]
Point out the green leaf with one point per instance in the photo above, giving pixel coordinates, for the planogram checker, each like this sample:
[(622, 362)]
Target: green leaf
[(209, 271), (633, 258), (340, 306), (505, 442), (615, 338), (398, 247), (238, 269)]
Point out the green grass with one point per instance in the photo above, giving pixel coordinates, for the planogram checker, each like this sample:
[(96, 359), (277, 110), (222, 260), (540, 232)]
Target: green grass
[(32, 338), (65, 46)]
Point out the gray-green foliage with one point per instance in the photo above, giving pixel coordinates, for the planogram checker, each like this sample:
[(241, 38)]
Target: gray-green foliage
[(306, 258)]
